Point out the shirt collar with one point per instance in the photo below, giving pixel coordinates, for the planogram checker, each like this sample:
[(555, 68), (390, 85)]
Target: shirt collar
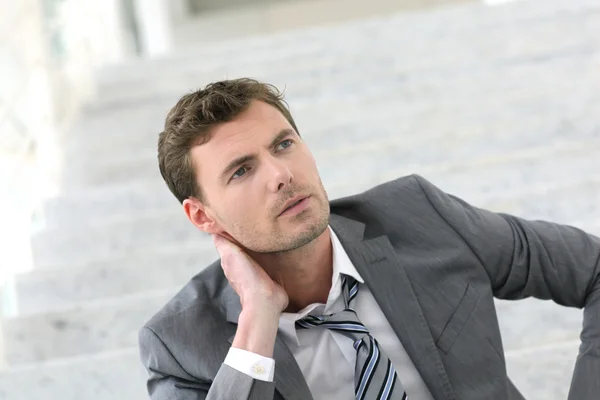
[(341, 265)]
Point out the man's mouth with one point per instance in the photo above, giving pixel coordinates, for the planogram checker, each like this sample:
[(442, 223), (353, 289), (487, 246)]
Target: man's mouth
[(295, 205)]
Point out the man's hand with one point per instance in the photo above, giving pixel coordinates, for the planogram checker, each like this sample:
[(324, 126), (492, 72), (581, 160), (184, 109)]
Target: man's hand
[(255, 288), (262, 299)]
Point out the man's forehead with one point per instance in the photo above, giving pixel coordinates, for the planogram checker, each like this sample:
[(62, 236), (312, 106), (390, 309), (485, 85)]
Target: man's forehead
[(260, 122), (215, 154)]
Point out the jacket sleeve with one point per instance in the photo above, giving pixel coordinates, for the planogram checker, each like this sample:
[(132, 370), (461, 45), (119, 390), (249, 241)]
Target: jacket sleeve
[(169, 381), (535, 259)]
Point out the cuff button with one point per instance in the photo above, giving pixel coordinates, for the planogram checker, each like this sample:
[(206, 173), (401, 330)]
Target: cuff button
[(259, 369)]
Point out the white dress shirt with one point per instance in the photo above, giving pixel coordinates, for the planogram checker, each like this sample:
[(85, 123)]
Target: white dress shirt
[(327, 358)]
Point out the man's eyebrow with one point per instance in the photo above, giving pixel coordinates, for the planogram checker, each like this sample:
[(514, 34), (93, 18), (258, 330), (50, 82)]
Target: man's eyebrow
[(236, 162), (283, 133)]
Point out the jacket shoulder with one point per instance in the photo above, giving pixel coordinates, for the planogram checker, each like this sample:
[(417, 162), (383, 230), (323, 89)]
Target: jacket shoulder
[(203, 292), (385, 194), (191, 328)]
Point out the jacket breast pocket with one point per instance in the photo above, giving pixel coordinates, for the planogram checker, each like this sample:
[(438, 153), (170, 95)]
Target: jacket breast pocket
[(458, 320)]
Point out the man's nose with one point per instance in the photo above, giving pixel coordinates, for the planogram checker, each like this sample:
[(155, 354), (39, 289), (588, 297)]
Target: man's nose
[(280, 175)]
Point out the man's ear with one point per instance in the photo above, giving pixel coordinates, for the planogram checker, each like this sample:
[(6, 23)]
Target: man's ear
[(197, 213)]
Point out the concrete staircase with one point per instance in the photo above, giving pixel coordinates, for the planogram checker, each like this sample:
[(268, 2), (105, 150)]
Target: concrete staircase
[(498, 105)]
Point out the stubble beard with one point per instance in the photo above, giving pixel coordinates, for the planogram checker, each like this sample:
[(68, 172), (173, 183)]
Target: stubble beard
[(313, 232), (280, 242)]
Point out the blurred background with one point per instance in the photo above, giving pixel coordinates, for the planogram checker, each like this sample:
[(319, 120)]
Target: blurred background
[(497, 102)]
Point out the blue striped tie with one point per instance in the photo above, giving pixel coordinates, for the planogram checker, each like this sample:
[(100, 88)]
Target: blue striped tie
[(374, 375)]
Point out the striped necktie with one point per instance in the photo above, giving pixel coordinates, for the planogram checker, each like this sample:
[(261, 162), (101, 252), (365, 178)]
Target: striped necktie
[(374, 375)]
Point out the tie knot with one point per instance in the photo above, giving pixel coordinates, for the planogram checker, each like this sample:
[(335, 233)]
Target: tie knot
[(345, 322)]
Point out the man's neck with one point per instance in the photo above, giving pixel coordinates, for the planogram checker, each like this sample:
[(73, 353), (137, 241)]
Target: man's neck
[(304, 273)]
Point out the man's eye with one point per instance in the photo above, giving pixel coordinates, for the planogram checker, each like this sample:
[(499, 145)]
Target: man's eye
[(285, 144), (239, 173)]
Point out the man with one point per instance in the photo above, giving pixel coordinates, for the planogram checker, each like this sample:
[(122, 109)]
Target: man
[(387, 294)]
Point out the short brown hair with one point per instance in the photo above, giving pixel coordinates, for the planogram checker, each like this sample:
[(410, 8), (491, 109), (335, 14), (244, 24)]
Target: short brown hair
[(190, 121)]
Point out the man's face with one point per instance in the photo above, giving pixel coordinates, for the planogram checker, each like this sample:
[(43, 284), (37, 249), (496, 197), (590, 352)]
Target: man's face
[(249, 171)]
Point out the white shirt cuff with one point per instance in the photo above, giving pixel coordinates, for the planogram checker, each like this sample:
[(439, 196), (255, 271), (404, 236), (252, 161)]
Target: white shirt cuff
[(252, 364)]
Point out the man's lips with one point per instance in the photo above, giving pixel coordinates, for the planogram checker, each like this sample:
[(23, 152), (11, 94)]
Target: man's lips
[(294, 204)]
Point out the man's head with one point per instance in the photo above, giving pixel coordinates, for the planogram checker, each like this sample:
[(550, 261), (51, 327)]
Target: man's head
[(232, 155)]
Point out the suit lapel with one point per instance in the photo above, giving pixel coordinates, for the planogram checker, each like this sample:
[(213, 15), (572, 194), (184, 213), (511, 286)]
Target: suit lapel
[(375, 259), (289, 380)]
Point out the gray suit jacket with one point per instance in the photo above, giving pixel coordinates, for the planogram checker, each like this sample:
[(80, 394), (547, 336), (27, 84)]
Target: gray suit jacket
[(434, 265)]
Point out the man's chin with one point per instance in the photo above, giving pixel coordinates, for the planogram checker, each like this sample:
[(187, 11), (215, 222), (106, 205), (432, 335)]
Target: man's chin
[(306, 236), (288, 240)]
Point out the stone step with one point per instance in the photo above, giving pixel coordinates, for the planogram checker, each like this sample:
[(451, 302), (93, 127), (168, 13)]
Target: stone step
[(365, 168), (435, 100), (391, 78), (121, 237), (163, 232), (543, 373), (387, 146), (112, 324), (121, 274), (555, 167), (531, 323), (420, 105), (468, 31), (51, 290), (547, 65), (110, 202), (143, 123), (540, 372), (88, 328), (116, 375), (246, 50), (171, 229), (132, 156), (134, 129)]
